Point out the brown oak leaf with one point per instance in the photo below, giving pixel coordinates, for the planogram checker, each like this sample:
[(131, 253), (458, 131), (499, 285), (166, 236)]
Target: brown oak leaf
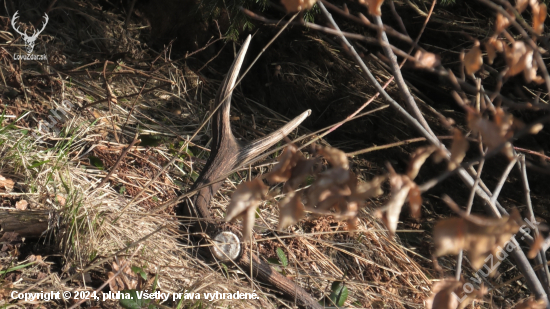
[(244, 202), (473, 60), (479, 236), (291, 210)]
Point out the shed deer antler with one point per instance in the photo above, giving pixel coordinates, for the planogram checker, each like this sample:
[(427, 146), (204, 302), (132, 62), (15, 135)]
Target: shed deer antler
[(29, 40), (226, 154)]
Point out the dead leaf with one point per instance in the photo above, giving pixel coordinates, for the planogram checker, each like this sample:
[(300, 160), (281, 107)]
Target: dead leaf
[(126, 279), (531, 304), (415, 201), (442, 295), (447, 293), (21, 205), (244, 202), (339, 190), (539, 15), (336, 158), (374, 6), (282, 171), (352, 224), (400, 187), (292, 6), (292, 168), (291, 210), (335, 192), (502, 22), (300, 172), (535, 247), (60, 199), (530, 73), (331, 182), (473, 60), (426, 60), (418, 159), (493, 135), (491, 52), (456, 234), (116, 284), (458, 149), (521, 5), (505, 122), (536, 128), (6, 183), (365, 190), (517, 56), (493, 46)]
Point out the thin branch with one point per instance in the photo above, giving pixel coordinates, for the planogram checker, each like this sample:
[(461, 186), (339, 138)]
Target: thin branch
[(403, 89), (503, 178), (468, 211), (544, 273), (525, 35), (521, 260)]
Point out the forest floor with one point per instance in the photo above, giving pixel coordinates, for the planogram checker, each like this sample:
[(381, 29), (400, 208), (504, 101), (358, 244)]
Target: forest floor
[(115, 83)]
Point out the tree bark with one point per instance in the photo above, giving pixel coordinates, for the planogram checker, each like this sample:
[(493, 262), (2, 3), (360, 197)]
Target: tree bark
[(26, 223)]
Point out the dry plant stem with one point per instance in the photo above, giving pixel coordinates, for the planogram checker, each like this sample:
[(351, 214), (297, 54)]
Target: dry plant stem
[(441, 72), (314, 26), (365, 70), (129, 15), (133, 106), (403, 89), (398, 18), (503, 178), (523, 264), (468, 211), (387, 29), (541, 155), (544, 273), (110, 98), (127, 96), (122, 155), (391, 78)]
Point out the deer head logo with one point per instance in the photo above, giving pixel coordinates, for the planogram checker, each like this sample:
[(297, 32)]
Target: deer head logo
[(29, 40)]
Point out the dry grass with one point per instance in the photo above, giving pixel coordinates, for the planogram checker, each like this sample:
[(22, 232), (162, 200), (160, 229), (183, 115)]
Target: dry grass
[(92, 224)]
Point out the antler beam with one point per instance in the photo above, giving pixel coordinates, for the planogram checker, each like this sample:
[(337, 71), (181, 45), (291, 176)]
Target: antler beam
[(228, 153)]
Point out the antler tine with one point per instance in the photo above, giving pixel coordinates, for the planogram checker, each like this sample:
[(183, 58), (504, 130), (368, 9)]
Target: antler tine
[(221, 127), (254, 148)]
